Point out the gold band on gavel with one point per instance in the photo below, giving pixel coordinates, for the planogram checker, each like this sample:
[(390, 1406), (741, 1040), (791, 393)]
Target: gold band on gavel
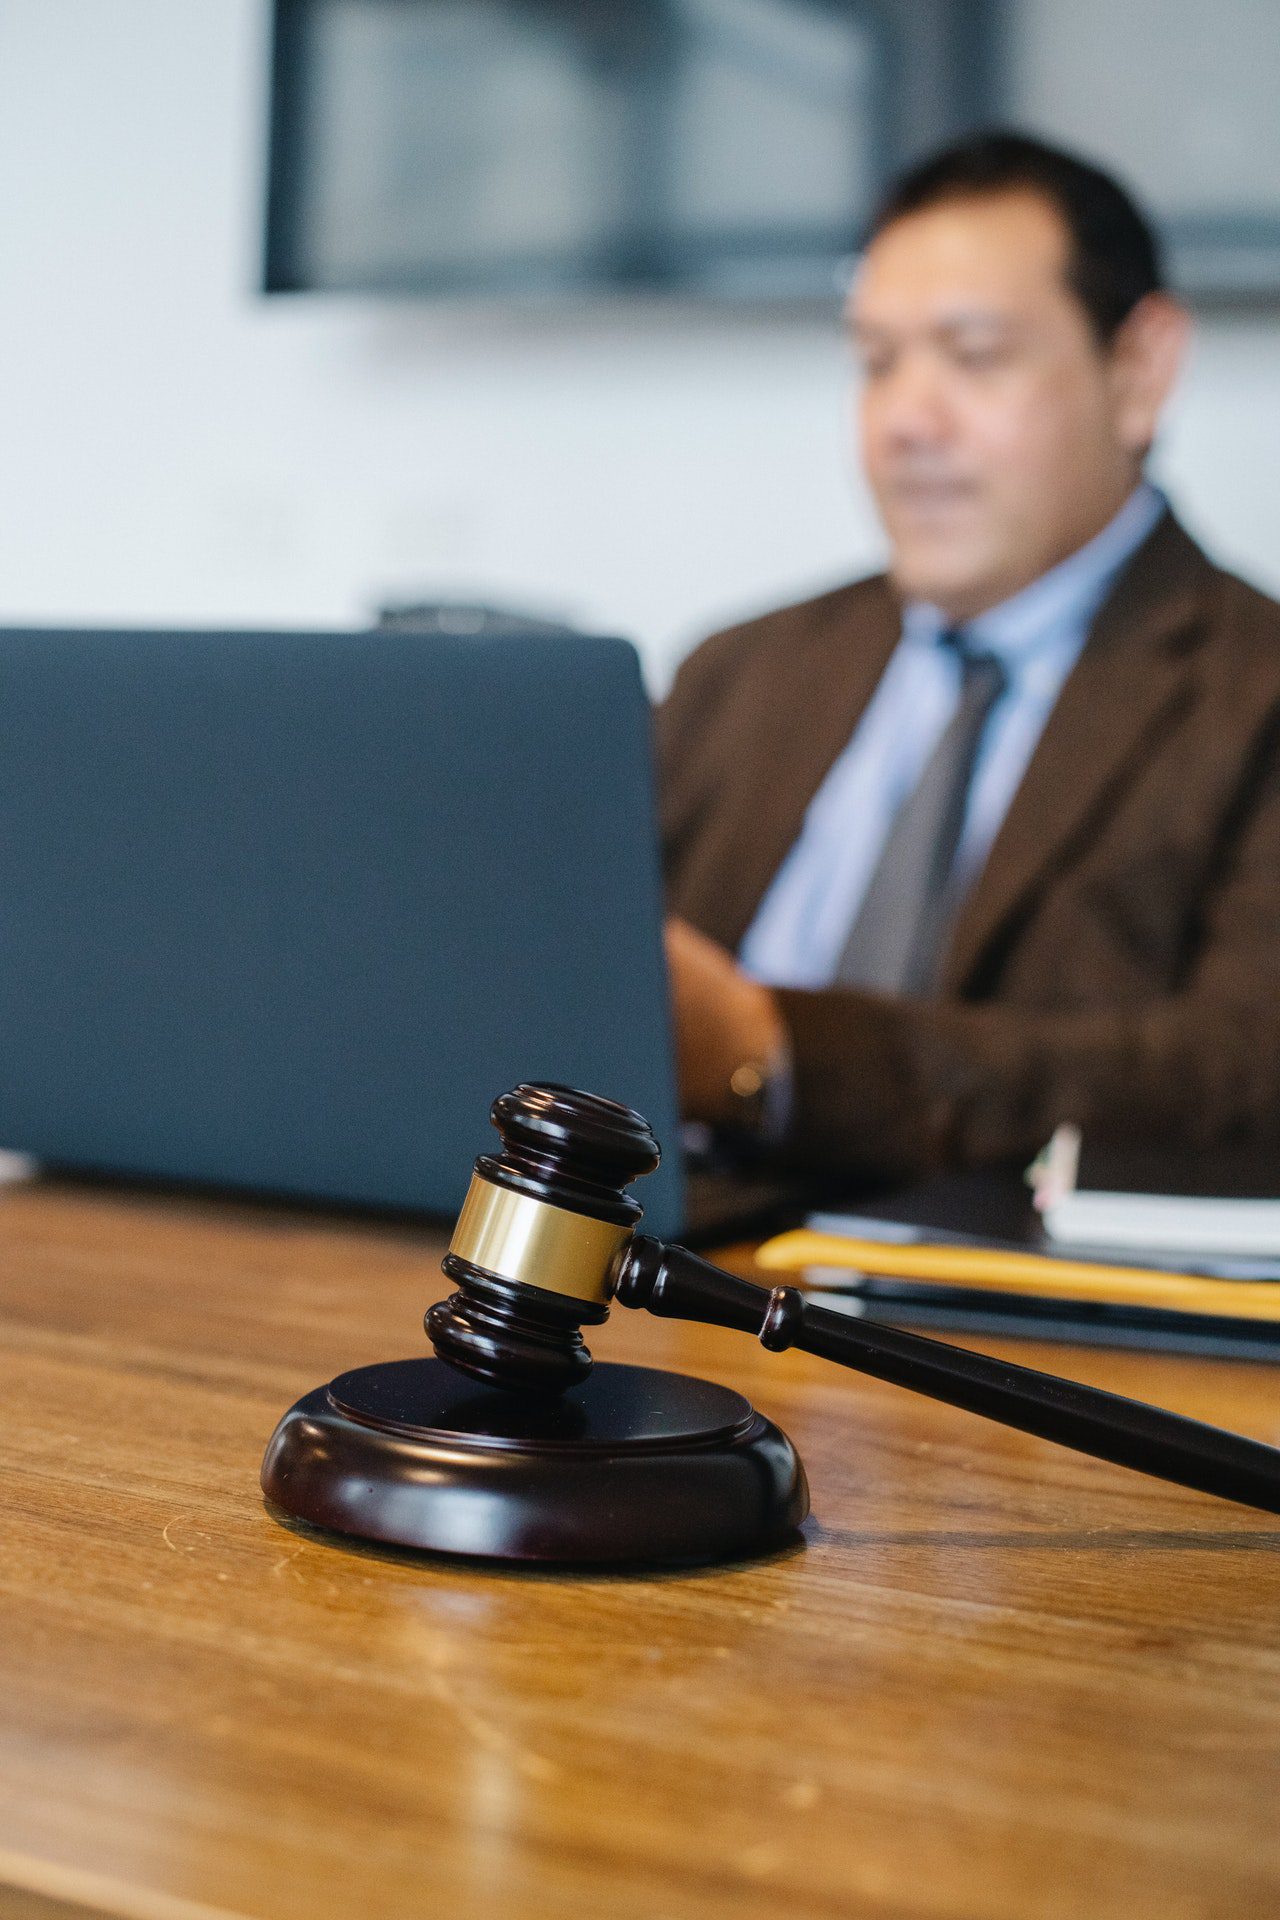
[(519, 1238)]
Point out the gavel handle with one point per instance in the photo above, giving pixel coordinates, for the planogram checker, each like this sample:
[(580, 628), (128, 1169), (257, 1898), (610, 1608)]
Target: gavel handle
[(675, 1283)]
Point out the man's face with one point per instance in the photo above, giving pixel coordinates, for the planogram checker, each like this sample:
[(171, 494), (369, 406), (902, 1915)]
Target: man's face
[(997, 435)]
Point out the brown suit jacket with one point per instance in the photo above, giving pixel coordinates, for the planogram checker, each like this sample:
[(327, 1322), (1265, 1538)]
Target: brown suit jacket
[(1117, 962)]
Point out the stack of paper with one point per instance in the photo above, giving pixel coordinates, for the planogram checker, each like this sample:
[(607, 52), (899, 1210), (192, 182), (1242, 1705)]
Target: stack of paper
[(891, 1270)]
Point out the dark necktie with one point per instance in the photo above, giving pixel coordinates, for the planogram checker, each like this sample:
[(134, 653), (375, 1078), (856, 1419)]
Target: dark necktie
[(895, 942)]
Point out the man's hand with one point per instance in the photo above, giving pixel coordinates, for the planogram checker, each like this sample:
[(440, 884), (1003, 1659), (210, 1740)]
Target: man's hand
[(724, 1021)]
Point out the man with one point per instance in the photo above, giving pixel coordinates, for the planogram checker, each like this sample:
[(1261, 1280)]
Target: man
[(992, 842)]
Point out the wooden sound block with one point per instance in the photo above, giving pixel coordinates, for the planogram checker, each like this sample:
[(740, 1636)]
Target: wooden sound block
[(632, 1466)]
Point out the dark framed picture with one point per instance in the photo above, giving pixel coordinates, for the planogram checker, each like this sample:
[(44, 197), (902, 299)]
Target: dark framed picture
[(726, 148), (731, 149)]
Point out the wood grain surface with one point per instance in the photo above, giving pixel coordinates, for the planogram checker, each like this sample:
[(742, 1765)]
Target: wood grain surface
[(992, 1680)]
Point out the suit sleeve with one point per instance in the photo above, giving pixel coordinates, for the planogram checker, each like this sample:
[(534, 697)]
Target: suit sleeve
[(898, 1087), (685, 733)]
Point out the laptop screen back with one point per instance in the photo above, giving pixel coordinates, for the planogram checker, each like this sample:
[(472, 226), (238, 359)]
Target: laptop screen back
[(286, 911)]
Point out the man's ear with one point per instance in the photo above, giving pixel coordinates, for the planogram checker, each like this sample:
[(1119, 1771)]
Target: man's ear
[(1146, 358)]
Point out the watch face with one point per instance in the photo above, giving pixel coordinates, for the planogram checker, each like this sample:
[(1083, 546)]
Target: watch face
[(749, 1083)]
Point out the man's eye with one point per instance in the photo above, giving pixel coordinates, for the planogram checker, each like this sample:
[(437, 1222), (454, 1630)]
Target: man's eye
[(874, 366), (979, 356)]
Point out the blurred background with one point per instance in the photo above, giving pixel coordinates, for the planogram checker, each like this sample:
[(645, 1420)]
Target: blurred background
[(312, 306)]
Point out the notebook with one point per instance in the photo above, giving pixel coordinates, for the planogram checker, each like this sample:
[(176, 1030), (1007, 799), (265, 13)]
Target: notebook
[(1226, 1307), (1220, 1203)]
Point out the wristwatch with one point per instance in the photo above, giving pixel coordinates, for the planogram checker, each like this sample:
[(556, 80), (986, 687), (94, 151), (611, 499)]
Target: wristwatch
[(761, 1097)]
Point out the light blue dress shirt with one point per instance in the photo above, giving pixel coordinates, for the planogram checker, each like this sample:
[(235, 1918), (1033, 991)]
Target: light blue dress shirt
[(804, 919)]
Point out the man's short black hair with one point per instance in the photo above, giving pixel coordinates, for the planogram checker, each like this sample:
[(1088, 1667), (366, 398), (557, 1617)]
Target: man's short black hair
[(1113, 257)]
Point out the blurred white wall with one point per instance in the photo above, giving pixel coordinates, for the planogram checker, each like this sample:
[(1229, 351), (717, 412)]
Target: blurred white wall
[(176, 447)]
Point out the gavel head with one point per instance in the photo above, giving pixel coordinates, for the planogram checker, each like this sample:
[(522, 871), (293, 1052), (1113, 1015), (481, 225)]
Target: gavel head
[(539, 1237)]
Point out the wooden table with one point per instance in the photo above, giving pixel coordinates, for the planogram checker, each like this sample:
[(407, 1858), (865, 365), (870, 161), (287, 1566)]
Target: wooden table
[(994, 1680)]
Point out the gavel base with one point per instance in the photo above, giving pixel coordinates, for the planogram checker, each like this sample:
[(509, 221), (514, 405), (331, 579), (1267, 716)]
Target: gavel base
[(636, 1466)]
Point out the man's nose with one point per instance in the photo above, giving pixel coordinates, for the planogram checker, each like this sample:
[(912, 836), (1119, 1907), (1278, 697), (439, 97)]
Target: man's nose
[(909, 405)]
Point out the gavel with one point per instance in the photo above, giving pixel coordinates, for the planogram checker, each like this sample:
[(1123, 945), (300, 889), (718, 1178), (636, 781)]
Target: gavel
[(546, 1240), (512, 1445)]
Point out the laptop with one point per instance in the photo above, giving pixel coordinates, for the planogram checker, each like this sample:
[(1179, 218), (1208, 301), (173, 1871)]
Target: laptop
[(283, 912)]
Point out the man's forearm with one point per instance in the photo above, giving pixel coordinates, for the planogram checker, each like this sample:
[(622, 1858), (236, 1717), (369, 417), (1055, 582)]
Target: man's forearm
[(900, 1086)]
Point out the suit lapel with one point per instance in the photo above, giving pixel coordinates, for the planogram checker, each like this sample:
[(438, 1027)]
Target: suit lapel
[(1133, 670), (827, 686)]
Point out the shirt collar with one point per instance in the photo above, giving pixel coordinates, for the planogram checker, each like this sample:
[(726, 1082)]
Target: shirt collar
[(1060, 605)]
